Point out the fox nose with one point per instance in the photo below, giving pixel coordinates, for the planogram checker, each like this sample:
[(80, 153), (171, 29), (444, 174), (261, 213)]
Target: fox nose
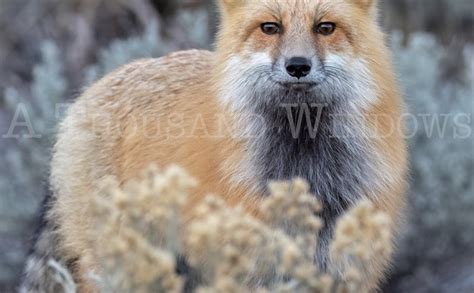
[(298, 67)]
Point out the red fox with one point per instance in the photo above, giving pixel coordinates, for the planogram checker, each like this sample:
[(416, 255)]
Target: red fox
[(295, 88)]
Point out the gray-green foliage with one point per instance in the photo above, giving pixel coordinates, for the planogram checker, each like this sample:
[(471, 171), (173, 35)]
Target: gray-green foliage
[(189, 25), (441, 202), (150, 44), (24, 164), (32, 124)]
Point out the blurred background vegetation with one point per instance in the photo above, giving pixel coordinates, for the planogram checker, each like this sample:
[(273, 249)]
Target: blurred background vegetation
[(51, 49)]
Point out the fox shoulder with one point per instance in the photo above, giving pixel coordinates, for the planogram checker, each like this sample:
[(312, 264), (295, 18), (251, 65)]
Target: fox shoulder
[(167, 74), (129, 92)]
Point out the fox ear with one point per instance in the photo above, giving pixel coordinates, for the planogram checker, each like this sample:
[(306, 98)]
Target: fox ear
[(230, 4), (368, 5)]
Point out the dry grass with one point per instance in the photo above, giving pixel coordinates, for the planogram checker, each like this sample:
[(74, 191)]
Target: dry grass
[(229, 249)]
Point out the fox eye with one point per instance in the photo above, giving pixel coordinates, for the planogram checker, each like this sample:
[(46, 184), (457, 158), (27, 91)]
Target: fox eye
[(326, 28), (270, 28)]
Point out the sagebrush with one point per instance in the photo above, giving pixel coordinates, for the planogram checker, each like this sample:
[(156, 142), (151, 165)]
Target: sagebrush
[(226, 249)]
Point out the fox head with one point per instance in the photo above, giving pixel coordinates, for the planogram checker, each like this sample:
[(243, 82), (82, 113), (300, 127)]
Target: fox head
[(287, 51)]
